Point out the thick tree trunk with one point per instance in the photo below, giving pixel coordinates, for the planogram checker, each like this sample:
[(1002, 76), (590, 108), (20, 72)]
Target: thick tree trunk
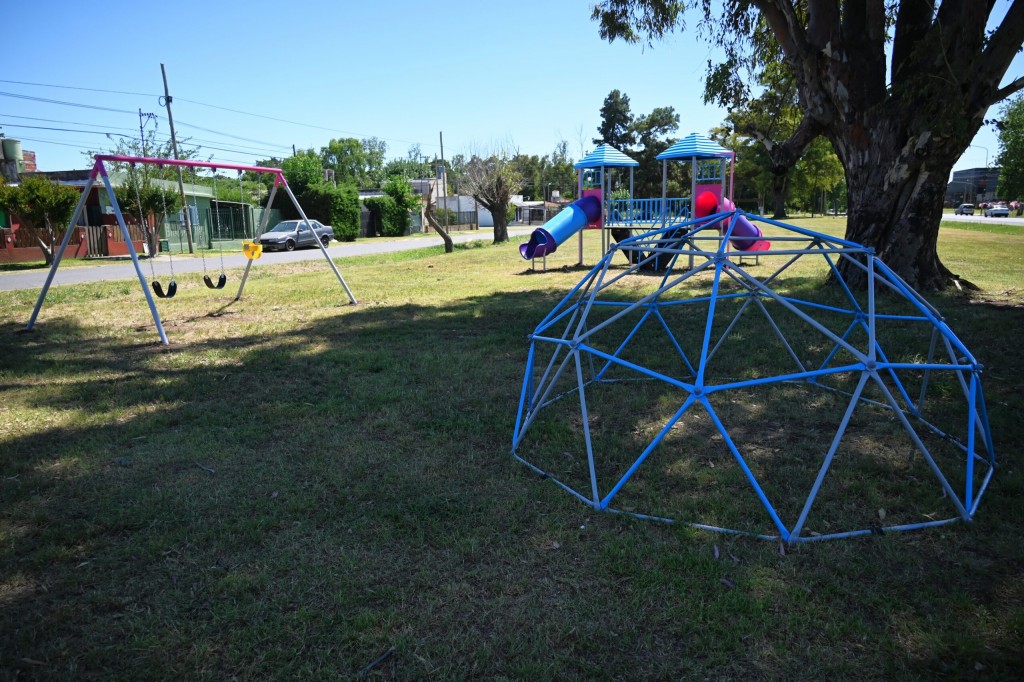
[(779, 194), (500, 223), (896, 187), (153, 238)]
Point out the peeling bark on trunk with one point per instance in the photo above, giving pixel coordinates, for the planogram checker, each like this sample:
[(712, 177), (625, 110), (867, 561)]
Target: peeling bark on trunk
[(896, 179)]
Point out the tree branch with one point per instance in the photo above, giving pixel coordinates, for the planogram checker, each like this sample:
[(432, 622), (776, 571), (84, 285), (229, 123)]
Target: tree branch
[(1004, 92), (1003, 47), (784, 24)]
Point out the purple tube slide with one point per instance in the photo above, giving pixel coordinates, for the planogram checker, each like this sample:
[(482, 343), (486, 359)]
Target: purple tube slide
[(549, 236), (745, 236)]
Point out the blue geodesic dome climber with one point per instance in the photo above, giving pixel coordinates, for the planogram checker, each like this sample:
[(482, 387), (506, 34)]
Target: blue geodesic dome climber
[(754, 399)]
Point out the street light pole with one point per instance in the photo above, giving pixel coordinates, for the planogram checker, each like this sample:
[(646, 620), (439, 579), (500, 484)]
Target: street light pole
[(978, 146)]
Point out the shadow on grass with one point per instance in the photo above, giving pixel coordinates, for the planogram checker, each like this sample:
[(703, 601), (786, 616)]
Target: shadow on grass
[(296, 503)]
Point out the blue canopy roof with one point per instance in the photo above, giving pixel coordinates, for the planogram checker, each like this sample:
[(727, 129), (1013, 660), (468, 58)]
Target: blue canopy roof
[(607, 156), (694, 145)]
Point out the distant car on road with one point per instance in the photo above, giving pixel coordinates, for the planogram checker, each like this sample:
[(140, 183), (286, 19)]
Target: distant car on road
[(964, 209), (995, 211), (289, 235)]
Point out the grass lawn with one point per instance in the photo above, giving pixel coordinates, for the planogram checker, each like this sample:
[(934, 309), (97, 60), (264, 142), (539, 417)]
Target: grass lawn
[(297, 487)]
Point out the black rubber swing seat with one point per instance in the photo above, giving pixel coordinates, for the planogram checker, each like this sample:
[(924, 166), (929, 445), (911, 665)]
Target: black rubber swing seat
[(221, 281), (172, 289)]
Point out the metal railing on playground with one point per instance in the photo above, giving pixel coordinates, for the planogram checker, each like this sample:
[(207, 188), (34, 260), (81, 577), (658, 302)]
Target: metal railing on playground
[(647, 211)]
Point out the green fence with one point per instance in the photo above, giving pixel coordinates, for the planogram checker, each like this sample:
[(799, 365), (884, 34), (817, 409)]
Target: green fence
[(223, 228)]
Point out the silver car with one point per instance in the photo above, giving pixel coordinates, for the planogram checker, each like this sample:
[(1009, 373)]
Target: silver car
[(289, 235)]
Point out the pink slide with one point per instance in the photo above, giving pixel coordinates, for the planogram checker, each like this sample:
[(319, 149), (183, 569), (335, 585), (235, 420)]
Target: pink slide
[(745, 235)]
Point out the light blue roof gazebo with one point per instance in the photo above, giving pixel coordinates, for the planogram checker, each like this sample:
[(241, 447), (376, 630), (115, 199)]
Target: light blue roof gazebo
[(604, 157), (696, 148)]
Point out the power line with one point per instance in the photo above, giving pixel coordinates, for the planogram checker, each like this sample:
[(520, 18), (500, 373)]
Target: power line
[(69, 104), (65, 130), (73, 87), (236, 137), (53, 120), (45, 100), (297, 123)]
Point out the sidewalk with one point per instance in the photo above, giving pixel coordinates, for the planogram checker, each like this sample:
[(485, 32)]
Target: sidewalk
[(162, 265)]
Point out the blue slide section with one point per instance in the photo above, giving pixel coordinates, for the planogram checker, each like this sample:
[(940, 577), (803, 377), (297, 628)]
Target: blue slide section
[(549, 236)]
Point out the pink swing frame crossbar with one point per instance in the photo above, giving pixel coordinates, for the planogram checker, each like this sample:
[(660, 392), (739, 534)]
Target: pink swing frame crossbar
[(97, 168), (99, 172)]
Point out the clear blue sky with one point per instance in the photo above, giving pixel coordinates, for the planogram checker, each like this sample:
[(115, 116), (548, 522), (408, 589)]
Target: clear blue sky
[(522, 75)]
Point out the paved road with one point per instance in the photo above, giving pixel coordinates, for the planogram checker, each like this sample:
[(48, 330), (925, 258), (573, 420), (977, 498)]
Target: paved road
[(123, 268), (976, 218)]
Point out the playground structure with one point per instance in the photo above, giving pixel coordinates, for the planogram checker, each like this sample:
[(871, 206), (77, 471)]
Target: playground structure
[(711, 166), (652, 395), (99, 172)]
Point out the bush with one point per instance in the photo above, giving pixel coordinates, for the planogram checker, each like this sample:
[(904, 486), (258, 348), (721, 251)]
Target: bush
[(510, 213), (388, 219), (446, 216), (336, 206)]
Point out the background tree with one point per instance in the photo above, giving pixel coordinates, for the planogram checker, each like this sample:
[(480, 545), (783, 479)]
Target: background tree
[(561, 174), (142, 199), (897, 127), (492, 180), (359, 162), (616, 126), (302, 170), (150, 146), (1011, 150), (414, 166), (44, 207), (337, 206), (773, 119), (653, 136), (817, 173)]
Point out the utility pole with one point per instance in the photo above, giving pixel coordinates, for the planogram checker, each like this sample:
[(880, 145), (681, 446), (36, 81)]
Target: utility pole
[(444, 180), (174, 146)]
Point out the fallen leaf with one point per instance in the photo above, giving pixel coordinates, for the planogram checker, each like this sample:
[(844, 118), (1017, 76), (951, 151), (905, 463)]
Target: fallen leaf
[(881, 515), (728, 583), (716, 553), (555, 544)]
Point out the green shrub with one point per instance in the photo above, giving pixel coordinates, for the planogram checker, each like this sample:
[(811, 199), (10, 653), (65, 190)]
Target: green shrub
[(446, 216), (385, 216), (336, 206), (510, 213)]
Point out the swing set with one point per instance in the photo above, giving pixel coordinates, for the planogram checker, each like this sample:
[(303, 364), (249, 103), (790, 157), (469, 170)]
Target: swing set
[(251, 250)]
